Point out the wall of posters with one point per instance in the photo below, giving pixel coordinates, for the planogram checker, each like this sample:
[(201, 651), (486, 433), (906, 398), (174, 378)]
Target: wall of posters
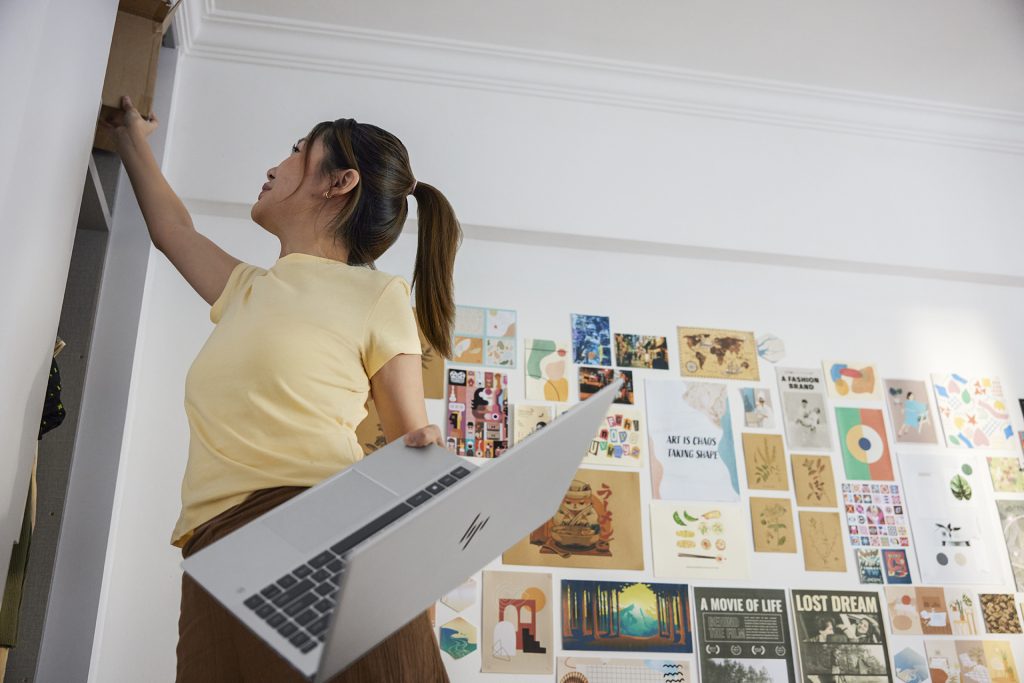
[(699, 540), (911, 415), (743, 636), (721, 354), (477, 412), (597, 526), (693, 455), (626, 616), (802, 395), (973, 411), (517, 631), (841, 633)]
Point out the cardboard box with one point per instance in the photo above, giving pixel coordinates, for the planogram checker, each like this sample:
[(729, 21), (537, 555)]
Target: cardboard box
[(134, 51)]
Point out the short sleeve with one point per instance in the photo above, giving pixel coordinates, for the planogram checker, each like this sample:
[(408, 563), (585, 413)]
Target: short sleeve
[(390, 328), (240, 277)]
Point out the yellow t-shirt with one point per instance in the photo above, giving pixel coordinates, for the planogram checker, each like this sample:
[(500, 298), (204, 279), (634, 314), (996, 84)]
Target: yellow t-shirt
[(274, 396)]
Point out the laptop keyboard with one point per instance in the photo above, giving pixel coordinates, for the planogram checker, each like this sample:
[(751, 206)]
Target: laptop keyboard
[(299, 604)]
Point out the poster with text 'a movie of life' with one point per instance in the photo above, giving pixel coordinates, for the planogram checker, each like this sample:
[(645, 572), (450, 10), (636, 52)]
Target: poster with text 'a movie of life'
[(743, 636)]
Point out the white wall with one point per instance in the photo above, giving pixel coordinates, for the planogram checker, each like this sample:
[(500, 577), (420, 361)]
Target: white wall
[(788, 189), (909, 327), (55, 54)]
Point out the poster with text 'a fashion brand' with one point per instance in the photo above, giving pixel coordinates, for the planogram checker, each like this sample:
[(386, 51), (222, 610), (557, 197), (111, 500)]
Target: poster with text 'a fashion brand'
[(802, 394), (693, 454), (841, 634), (743, 636)]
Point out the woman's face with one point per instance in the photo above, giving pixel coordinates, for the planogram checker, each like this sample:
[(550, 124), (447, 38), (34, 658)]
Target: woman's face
[(286, 194)]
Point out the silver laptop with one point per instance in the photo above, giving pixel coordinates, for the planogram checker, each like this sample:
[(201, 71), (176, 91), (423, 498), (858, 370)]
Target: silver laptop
[(326, 576)]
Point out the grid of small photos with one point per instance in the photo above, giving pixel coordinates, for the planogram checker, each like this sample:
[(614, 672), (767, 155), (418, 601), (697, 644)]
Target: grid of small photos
[(721, 456)]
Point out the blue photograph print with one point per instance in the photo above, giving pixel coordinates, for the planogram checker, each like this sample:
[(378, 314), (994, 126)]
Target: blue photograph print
[(591, 340)]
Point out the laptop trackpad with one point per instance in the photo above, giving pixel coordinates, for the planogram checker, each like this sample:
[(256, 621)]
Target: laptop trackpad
[(336, 510)]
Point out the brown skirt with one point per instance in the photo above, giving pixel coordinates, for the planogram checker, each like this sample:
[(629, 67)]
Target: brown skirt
[(215, 647)]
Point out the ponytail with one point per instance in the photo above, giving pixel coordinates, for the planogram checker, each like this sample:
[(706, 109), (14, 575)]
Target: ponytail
[(438, 238)]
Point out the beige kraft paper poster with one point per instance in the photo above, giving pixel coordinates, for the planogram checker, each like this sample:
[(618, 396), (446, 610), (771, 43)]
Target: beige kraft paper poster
[(822, 537), (772, 521)]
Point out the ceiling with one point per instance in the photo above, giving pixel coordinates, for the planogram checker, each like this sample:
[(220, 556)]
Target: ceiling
[(966, 52)]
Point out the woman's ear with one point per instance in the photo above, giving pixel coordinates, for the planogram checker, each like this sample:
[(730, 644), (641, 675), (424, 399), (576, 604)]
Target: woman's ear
[(344, 182)]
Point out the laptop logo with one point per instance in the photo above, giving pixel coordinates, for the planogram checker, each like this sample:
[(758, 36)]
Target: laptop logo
[(471, 531)]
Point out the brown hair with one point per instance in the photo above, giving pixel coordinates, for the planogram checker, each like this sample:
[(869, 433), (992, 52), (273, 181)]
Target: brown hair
[(375, 214)]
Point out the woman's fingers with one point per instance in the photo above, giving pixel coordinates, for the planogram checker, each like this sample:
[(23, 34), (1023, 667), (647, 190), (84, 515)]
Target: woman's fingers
[(424, 437)]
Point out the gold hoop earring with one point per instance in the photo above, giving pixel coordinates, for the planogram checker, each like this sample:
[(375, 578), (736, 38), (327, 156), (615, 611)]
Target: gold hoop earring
[(327, 195)]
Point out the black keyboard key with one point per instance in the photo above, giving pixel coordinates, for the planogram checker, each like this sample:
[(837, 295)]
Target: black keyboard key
[(306, 617), (286, 581), (270, 591), (435, 488), (357, 537), (335, 565), (300, 604), (447, 480), (287, 629), (276, 619), (326, 589), (265, 611), (320, 625), (293, 592), (419, 499), (324, 605), (308, 646), (299, 639), (321, 559), (303, 571), (320, 575), (253, 601), (459, 472)]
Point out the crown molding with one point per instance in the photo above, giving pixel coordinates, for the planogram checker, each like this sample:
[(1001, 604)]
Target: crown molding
[(214, 33), (615, 245)]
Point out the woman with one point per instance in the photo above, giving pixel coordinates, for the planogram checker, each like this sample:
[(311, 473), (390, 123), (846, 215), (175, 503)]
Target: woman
[(275, 394)]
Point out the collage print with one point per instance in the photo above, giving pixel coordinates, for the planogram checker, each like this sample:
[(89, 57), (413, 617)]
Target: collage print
[(711, 462)]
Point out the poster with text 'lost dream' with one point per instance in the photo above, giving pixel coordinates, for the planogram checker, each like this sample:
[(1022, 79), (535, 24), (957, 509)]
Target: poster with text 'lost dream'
[(743, 636), (841, 636), (693, 454)]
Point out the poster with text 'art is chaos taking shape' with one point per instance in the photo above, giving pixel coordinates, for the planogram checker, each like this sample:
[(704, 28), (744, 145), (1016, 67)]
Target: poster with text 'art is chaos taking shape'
[(693, 453)]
